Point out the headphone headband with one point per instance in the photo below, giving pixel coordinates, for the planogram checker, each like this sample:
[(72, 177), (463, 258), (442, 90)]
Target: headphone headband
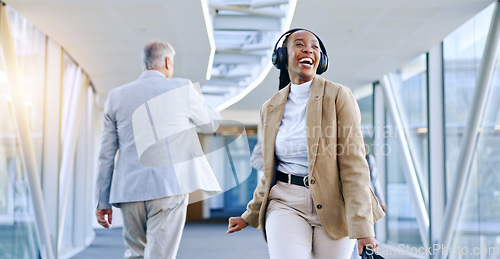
[(323, 49)]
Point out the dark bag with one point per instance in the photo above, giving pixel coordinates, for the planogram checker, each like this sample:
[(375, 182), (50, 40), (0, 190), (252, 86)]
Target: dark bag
[(368, 253)]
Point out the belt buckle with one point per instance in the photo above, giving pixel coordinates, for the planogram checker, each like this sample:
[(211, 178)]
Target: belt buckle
[(305, 180)]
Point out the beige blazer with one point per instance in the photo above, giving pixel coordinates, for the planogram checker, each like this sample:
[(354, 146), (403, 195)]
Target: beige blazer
[(338, 172)]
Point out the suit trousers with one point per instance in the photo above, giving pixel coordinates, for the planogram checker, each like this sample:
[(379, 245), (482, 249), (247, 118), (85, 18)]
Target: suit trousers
[(153, 229), (294, 230)]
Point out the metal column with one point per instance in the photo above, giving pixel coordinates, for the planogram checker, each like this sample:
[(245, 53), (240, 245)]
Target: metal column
[(380, 152), (436, 149)]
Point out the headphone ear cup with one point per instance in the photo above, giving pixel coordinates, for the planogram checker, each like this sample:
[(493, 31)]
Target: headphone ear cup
[(323, 64), (275, 59), (280, 58)]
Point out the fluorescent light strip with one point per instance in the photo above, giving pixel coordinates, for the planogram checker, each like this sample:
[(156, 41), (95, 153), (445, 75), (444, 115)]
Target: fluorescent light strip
[(210, 34), (291, 13), (265, 72)]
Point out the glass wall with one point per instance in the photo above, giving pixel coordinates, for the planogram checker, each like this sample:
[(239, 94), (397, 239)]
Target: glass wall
[(70, 98), (18, 232), (18, 227), (233, 201), (410, 91), (364, 98), (462, 53), (478, 224), (402, 227), (30, 49)]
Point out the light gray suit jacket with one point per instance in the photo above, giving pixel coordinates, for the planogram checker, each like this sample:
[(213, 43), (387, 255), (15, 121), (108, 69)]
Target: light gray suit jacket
[(139, 113)]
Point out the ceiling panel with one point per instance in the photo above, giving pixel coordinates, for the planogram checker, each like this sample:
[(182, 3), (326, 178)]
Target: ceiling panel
[(106, 37), (366, 39)]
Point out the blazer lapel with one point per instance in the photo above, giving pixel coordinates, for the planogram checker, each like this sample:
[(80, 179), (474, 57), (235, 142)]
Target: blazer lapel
[(272, 122), (313, 119)]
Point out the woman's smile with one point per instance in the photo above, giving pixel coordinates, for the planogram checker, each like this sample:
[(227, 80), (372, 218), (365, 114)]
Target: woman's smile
[(307, 62)]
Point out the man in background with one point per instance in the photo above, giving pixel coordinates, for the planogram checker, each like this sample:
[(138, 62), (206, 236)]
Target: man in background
[(152, 194)]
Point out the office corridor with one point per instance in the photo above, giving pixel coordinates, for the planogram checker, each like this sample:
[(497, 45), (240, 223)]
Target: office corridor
[(425, 76)]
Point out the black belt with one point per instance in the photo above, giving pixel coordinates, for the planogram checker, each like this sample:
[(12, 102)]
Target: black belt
[(293, 179)]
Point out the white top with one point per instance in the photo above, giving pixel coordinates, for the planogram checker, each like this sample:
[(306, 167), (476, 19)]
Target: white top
[(291, 141)]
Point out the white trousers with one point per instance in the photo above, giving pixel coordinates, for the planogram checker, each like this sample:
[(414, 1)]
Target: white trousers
[(294, 230), (153, 229)]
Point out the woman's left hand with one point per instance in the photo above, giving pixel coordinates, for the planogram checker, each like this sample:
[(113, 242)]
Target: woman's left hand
[(366, 241)]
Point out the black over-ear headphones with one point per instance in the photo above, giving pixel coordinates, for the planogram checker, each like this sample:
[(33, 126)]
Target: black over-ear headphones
[(280, 54)]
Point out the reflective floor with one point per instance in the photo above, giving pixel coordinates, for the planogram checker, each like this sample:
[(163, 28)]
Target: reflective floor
[(207, 240), (200, 240)]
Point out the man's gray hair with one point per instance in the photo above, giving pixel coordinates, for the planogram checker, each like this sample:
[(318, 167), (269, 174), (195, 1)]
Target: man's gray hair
[(155, 53)]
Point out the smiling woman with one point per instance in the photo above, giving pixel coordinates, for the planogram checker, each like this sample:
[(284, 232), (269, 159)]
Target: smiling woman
[(305, 197), (280, 55), (302, 52)]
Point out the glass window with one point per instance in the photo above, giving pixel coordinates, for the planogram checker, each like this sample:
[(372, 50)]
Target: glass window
[(30, 49), (17, 219), (402, 226), (365, 103), (70, 94), (234, 200), (18, 239), (462, 53), (410, 90), (478, 224)]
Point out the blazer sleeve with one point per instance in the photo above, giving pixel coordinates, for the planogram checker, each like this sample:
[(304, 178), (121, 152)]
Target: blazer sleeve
[(251, 215), (107, 153), (204, 117), (353, 168)]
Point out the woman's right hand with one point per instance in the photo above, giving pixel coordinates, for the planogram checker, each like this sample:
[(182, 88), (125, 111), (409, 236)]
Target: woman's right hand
[(236, 224)]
